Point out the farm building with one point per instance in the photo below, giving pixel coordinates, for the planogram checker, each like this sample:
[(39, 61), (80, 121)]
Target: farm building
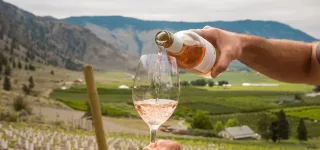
[(123, 87), (239, 133)]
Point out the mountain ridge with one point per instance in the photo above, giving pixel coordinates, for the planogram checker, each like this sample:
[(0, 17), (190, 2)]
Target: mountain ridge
[(136, 36)]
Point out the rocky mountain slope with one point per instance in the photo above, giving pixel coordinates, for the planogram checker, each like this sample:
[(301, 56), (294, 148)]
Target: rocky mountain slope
[(52, 41)]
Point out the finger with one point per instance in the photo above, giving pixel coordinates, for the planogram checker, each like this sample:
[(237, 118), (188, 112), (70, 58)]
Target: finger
[(147, 148), (152, 145), (159, 142), (221, 66), (209, 33)]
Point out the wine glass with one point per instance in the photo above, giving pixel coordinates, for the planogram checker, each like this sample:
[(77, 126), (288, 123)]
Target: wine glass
[(156, 90)]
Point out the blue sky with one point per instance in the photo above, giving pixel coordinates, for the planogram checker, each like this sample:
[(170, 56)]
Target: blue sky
[(301, 14)]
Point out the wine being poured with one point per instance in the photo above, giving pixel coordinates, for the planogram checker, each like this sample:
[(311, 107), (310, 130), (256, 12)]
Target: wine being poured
[(192, 52), (156, 89), (157, 76)]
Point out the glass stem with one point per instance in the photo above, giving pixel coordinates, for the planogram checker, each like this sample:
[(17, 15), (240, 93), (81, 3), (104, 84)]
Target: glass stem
[(153, 135)]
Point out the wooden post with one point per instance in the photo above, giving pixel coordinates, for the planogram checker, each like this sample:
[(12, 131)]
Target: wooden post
[(95, 107)]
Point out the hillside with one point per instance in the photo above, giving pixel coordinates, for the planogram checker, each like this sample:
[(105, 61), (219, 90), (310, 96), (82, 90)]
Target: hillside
[(137, 36), (51, 41)]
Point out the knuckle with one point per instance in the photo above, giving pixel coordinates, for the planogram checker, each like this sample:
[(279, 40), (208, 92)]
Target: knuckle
[(222, 67)]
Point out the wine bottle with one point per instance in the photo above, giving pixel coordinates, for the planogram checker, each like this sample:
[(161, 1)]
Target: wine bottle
[(192, 52)]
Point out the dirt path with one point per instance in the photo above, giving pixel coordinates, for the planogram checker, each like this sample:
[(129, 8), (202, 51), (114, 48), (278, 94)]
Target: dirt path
[(67, 115)]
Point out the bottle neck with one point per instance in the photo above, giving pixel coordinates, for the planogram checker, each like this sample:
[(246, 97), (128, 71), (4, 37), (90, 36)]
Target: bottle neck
[(169, 41), (164, 39)]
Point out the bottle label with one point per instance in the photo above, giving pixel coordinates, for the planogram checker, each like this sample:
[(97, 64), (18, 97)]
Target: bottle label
[(209, 58)]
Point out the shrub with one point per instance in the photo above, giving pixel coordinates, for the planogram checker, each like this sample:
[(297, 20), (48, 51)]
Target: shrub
[(221, 83), (298, 97), (26, 90), (232, 122), (20, 105), (210, 83), (218, 127), (201, 120), (6, 84), (7, 71), (184, 83)]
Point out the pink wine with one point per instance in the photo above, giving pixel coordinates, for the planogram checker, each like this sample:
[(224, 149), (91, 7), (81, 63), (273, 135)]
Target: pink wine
[(155, 112), (192, 52)]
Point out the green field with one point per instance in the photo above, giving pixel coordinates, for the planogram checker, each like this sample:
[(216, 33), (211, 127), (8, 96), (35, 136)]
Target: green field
[(307, 112), (223, 103)]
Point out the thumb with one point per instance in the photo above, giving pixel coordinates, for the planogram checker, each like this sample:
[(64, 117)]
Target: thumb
[(221, 65)]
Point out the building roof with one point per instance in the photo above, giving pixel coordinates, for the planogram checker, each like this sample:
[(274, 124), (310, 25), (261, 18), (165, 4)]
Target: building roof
[(123, 87), (241, 132)]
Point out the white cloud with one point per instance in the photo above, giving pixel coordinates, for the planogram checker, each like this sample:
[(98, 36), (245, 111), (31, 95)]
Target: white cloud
[(301, 14)]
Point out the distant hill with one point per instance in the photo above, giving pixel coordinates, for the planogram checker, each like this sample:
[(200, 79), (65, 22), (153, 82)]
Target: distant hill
[(51, 41), (137, 36)]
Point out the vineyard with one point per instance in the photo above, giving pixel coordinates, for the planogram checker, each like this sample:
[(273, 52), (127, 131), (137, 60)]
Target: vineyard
[(215, 102), (45, 137), (307, 112)]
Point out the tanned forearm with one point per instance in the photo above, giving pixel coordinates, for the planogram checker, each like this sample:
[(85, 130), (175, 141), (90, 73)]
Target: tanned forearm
[(283, 60)]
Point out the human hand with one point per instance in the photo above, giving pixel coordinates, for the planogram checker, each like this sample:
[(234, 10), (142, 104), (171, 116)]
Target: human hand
[(227, 44), (163, 145)]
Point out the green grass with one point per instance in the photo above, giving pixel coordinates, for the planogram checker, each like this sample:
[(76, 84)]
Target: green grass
[(117, 75)]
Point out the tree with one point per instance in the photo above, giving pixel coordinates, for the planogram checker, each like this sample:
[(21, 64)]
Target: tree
[(13, 43), (6, 48), (193, 83), (0, 67), (26, 67), (298, 97), (26, 89), (19, 65), (31, 84), (4, 61), (218, 127), (11, 50), (184, 83), (13, 64), (283, 125), (302, 131), (232, 122), (201, 120), (31, 67), (221, 83), (274, 131), (210, 83), (1, 35), (6, 84), (264, 123), (20, 105), (317, 89), (52, 72), (201, 82), (7, 71)]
